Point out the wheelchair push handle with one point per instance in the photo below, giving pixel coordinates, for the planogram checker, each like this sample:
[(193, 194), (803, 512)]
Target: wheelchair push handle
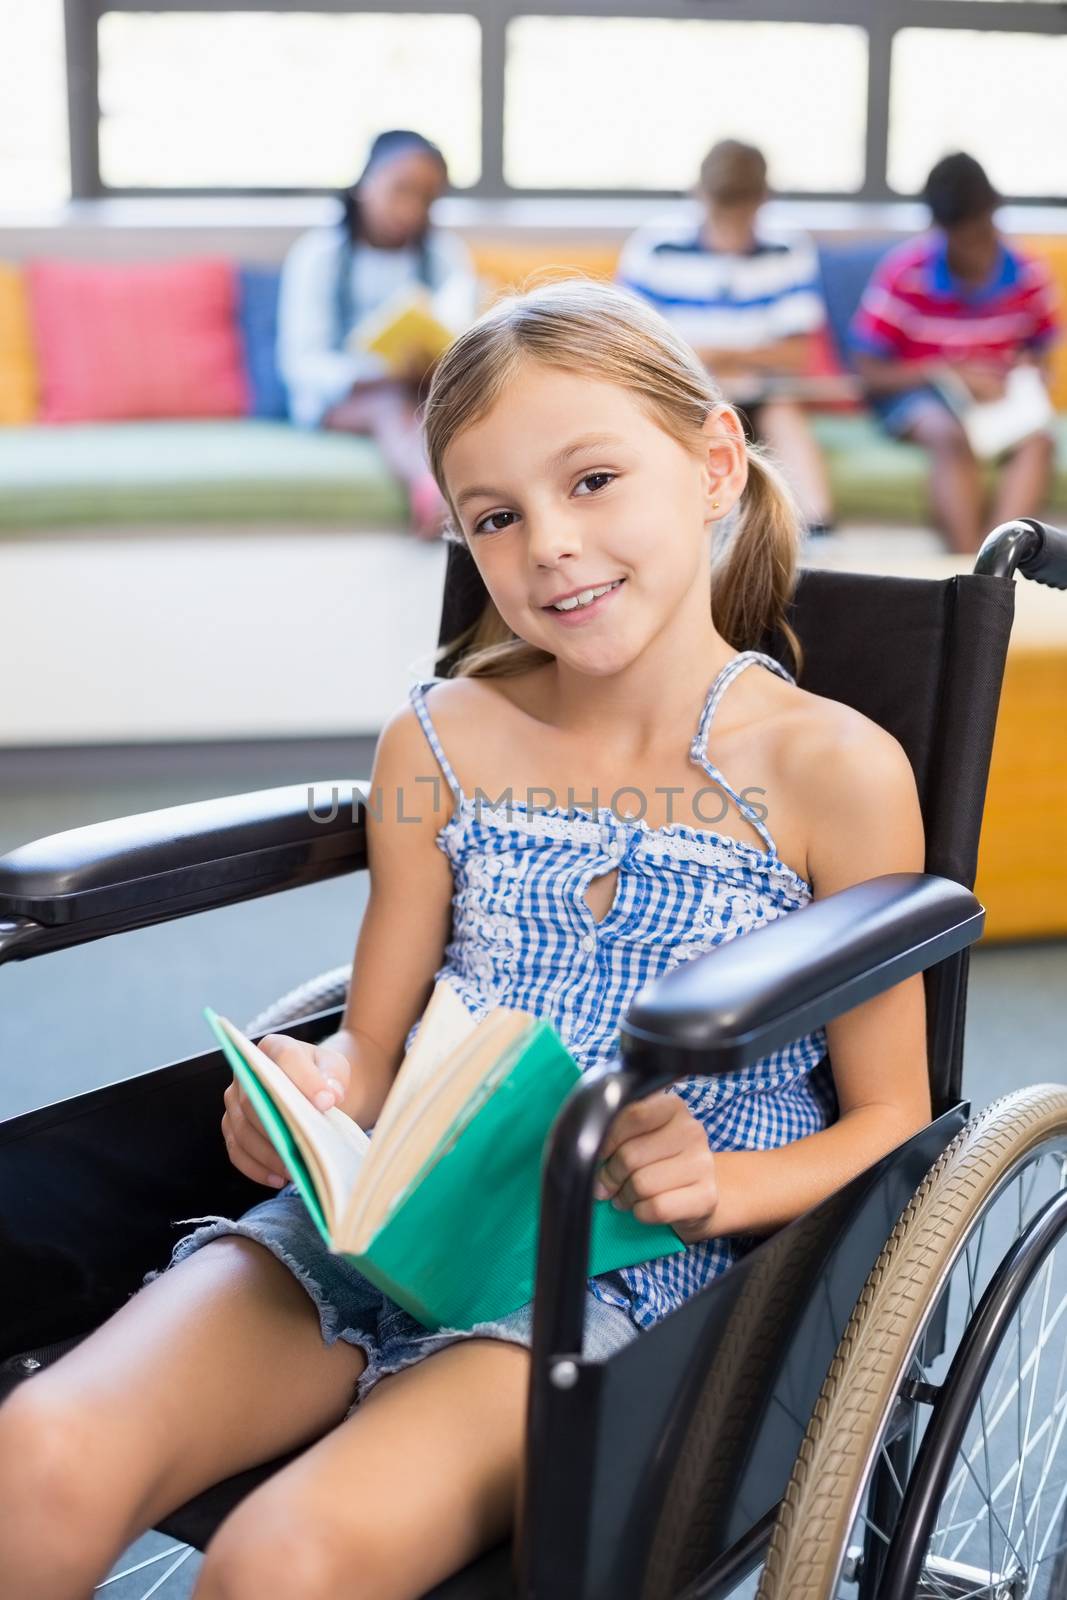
[(1036, 549)]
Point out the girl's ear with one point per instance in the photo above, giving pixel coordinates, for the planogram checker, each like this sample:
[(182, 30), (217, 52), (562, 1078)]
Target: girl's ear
[(725, 464)]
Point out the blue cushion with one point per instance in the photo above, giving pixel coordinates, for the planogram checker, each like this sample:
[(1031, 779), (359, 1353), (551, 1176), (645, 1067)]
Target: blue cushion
[(845, 271), (258, 321)]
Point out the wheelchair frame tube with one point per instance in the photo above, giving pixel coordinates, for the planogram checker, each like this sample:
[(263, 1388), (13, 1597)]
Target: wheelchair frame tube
[(580, 1130)]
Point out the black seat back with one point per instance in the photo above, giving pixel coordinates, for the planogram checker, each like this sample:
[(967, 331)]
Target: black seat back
[(922, 657)]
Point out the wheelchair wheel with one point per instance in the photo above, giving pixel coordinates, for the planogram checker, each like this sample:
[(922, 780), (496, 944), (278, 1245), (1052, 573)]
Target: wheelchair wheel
[(935, 1462)]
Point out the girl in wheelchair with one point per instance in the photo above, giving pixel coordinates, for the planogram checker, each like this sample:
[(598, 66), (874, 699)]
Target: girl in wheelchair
[(602, 790)]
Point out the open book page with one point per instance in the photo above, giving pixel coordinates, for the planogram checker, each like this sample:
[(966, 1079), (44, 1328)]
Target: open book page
[(425, 1122), (333, 1153), (993, 426), (1024, 408), (445, 1024)]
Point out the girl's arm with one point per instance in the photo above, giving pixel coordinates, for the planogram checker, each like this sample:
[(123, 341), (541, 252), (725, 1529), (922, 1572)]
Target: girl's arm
[(406, 924), (857, 785), (401, 943)]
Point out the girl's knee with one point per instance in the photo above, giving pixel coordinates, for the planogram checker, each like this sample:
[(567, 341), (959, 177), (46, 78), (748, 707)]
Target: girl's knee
[(53, 1460), (272, 1548)]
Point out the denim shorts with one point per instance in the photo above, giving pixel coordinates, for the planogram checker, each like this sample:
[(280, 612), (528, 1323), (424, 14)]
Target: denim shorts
[(352, 1308), (899, 412)]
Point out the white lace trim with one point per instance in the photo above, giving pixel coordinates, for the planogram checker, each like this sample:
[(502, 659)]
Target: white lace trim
[(674, 840)]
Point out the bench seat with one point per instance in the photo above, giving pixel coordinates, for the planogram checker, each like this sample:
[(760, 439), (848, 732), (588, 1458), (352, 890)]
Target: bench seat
[(130, 473)]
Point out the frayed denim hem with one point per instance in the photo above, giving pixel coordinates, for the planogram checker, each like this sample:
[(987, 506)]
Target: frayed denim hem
[(221, 1227), (353, 1309)]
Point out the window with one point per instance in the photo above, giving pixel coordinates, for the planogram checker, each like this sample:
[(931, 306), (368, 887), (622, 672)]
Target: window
[(999, 96), (634, 103), (275, 100), (532, 97), (34, 157)]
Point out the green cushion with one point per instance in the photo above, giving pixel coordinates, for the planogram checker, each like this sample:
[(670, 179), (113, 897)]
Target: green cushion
[(176, 472), (252, 471), (874, 478)]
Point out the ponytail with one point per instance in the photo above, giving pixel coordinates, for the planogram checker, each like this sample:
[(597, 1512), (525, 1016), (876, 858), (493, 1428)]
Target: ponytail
[(754, 573), (351, 221)]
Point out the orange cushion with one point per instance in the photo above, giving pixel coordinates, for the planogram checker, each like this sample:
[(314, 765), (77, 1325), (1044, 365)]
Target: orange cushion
[(504, 265), (145, 340), (1053, 251), (18, 367)]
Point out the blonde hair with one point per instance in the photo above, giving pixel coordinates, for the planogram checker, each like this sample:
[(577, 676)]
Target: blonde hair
[(593, 328)]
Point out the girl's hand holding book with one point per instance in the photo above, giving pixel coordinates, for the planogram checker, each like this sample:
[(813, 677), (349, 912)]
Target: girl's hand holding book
[(657, 1163), (319, 1072)]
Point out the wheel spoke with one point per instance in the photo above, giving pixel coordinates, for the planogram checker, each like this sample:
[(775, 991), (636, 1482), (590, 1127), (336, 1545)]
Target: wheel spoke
[(1053, 1425), (993, 1517), (186, 1553), (1019, 1482), (873, 1527), (1007, 1399), (1055, 1432), (139, 1566), (1043, 1549)]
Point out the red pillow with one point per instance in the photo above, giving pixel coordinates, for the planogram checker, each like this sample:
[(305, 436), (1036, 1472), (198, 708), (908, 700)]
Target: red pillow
[(151, 340)]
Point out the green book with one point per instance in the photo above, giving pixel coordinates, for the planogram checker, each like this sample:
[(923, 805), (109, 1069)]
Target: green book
[(440, 1208)]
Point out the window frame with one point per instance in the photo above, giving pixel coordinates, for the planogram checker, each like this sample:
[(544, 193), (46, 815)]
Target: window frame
[(880, 20)]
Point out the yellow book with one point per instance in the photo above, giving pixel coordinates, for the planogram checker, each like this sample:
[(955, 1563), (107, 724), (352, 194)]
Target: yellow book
[(402, 329)]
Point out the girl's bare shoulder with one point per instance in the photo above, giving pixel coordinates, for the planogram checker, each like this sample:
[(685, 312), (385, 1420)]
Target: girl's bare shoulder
[(818, 732), (854, 783), (469, 715), (467, 710)]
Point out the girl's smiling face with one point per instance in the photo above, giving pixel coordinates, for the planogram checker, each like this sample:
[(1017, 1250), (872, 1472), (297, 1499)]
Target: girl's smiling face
[(568, 485)]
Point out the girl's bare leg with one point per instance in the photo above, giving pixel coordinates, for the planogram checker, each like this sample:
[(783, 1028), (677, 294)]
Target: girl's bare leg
[(216, 1366), (422, 1478)]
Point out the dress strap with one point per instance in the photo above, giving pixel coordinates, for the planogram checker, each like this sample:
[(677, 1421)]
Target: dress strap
[(698, 749), (417, 694)]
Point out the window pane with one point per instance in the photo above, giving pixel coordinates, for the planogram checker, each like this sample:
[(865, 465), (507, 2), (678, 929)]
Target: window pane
[(999, 96), (34, 151), (281, 99), (634, 103)]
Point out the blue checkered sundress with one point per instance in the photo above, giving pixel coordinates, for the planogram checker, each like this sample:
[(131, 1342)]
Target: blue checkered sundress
[(524, 936)]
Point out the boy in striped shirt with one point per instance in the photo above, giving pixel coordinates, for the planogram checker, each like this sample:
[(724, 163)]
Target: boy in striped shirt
[(749, 304), (958, 297)]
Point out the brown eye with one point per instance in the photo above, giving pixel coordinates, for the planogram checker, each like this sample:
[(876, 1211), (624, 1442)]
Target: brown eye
[(589, 476), (481, 527)]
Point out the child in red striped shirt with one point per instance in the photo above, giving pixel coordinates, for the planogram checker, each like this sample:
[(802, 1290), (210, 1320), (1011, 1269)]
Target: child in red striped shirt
[(958, 297)]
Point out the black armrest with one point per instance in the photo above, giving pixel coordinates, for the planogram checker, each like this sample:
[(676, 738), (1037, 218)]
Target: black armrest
[(734, 1005), (718, 1012), (110, 877)]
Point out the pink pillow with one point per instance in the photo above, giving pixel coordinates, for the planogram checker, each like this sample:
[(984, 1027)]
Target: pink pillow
[(150, 340)]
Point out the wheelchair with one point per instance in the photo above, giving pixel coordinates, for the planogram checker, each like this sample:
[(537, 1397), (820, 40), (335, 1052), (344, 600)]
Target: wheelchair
[(872, 1401)]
